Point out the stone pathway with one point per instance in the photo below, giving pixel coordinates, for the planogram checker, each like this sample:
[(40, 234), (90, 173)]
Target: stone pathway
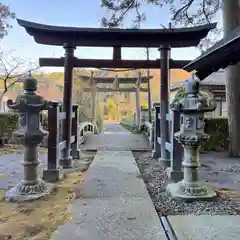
[(116, 138), (113, 203), (206, 227)]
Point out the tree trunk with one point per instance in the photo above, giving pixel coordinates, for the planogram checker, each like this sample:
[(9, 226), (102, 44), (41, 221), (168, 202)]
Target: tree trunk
[(231, 19), (1, 99)]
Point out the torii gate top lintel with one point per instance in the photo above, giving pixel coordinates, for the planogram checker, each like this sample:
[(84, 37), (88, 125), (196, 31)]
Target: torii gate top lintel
[(105, 37), (120, 80)]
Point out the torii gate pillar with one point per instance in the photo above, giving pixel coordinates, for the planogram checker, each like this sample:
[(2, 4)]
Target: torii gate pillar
[(66, 159), (164, 104)]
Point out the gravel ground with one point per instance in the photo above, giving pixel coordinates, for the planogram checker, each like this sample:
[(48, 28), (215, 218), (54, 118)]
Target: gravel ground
[(156, 180)]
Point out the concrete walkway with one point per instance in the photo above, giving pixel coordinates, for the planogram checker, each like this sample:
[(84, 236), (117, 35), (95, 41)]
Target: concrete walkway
[(206, 227), (114, 203), (116, 138)]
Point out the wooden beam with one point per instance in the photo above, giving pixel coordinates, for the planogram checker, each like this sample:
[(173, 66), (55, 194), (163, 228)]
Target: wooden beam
[(117, 53), (116, 90), (121, 80), (102, 63)]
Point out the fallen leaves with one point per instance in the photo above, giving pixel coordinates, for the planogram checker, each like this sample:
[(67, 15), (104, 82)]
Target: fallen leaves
[(229, 193), (37, 220)]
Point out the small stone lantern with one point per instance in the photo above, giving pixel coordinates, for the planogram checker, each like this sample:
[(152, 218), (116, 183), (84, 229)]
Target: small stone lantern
[(30, 135), (191, 135)]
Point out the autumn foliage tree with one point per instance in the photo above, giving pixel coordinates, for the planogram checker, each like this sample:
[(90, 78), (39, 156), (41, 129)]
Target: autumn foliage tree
[(191, 13)]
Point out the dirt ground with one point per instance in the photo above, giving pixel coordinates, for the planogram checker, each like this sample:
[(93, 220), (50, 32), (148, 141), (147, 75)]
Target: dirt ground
[(37, 220), (220, 171)]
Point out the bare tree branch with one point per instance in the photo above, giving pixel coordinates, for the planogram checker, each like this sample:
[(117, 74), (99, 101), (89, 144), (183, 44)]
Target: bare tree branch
[(12, 69), (184, 8), (182, 12)]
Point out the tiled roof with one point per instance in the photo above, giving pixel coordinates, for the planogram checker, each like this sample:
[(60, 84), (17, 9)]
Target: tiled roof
[(235, 33), (215, 79)]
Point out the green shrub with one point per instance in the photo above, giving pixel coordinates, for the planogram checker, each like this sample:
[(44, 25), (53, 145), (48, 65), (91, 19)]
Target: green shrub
[(217, 128), (44, 120), (181, 93), (8, 123)]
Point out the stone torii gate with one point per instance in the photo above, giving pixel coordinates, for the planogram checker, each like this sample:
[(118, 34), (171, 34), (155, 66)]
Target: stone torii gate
[(71, 37), (116, 82)]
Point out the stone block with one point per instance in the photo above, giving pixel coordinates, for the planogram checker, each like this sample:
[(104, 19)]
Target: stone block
[(173, 175), (52, 175)]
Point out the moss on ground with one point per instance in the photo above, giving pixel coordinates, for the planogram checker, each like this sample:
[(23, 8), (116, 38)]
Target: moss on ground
[(5, 150), (37, 220)]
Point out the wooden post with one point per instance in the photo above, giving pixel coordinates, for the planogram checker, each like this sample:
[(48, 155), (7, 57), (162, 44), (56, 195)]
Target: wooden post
[(117, 53), (117, 96), (93, 98), (175, 172), (61, 125), (149, 103), (164, 104), (156, 146), (52, 173), (75, 150), (66, 159), (138, 105), (149, 93)]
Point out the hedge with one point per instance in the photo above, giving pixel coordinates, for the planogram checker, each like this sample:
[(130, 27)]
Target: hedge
[(217, 128), (8, 123)]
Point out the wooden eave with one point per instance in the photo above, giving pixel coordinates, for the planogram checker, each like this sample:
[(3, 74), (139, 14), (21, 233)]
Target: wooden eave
[(224, 53), (109, 37)]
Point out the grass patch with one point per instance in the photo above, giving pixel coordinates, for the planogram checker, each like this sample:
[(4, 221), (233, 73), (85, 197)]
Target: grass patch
[(9, 149), (37, 220), (2, 193)]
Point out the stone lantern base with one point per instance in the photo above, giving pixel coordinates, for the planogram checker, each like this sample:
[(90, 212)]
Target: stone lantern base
[(190, 191), (22, 192)]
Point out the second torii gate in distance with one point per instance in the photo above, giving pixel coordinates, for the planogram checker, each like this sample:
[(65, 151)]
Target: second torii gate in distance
[(116, 82)]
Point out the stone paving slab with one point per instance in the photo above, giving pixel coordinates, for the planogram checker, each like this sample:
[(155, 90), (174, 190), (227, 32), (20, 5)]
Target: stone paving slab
[(113, 203), (116, 138), (116, 142), (206, 227)]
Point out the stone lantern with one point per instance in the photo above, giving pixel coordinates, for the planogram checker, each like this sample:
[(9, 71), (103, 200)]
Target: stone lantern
[(30, 135), (191, 135)]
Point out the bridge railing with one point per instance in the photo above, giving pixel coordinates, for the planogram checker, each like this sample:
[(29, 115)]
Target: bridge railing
[(84, 129)]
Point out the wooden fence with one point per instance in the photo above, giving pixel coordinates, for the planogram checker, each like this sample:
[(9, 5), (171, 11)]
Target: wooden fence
[(56, 143), (172, 146)]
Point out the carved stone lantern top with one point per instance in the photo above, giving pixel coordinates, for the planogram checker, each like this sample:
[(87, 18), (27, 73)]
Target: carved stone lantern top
[(30, 104), (193, 101), (29, 100)]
